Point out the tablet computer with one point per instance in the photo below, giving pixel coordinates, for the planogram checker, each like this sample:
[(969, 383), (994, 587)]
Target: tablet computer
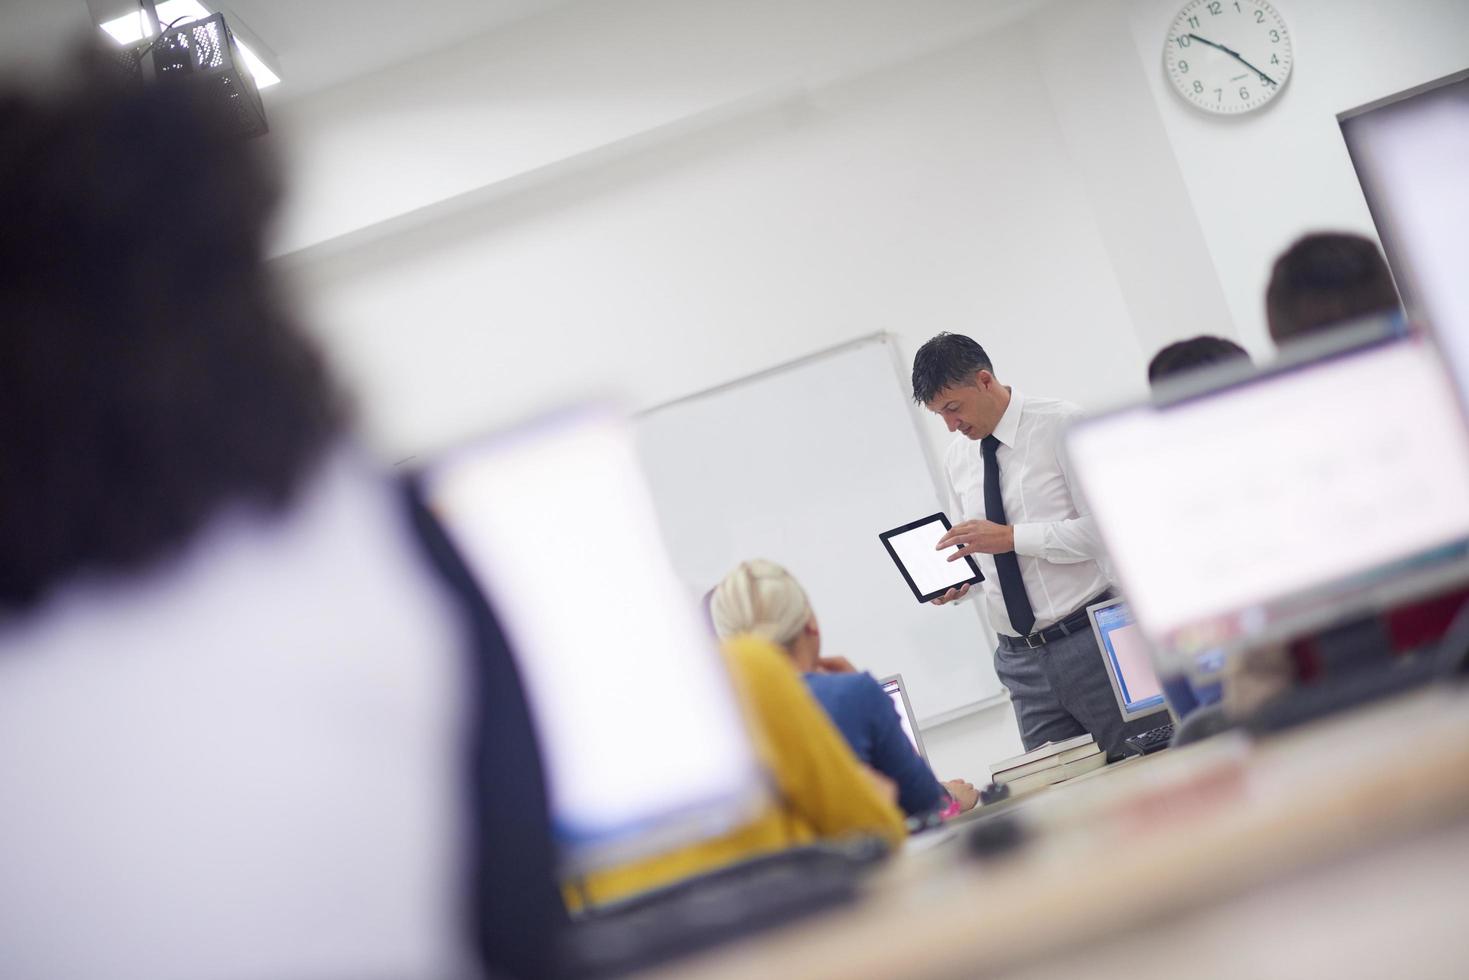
[(928, 572)]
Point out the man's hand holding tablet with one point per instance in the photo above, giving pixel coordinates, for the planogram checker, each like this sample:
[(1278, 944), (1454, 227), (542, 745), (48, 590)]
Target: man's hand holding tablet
[(933, 577), (978, 537), (973, 537), (951, 595)]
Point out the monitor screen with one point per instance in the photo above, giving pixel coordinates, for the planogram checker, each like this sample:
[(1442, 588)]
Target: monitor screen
[(893, 688), (645, 745), (1277, 504), (1409, 152), (1129, 663)]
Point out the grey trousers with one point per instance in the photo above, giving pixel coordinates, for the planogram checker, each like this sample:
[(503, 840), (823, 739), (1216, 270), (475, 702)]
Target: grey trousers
[(1060, 690)]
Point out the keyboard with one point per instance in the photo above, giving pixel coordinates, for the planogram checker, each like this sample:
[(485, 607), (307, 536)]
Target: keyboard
[(726, 904), (1151, 740)]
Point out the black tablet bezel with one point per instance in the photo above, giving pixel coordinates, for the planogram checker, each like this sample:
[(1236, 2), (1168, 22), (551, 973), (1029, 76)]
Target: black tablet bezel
[(978, 576)]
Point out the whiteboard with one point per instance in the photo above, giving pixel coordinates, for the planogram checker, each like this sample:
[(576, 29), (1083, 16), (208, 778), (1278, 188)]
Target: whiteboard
[(805, 465)]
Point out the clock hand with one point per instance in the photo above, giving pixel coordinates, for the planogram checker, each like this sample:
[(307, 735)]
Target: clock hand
[(1236, 56)]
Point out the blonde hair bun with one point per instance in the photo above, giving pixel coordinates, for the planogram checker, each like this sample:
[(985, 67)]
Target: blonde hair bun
[(760, 597)]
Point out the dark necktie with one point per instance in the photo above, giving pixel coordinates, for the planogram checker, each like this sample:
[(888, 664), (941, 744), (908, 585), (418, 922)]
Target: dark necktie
[(1012, 586)]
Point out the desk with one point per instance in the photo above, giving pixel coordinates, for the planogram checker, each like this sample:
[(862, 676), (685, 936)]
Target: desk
[(961, 824), (1123, 866)]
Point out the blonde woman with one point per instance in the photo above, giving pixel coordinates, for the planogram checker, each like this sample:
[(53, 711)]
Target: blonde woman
[(820, 790), (760, 598)]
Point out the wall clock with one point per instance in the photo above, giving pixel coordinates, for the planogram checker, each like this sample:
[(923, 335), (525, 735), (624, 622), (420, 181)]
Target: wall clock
[(1228, 56)]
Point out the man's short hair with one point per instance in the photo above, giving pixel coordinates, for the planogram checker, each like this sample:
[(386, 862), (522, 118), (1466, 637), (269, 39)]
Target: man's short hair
[(1325, 279), (948, 359), (1192, 354)]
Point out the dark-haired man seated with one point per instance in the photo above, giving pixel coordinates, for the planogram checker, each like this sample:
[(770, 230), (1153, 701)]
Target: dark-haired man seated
[(1194, 354), (1324, 280)]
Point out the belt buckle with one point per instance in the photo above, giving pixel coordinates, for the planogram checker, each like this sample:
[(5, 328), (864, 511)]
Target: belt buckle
[(1034, 640)]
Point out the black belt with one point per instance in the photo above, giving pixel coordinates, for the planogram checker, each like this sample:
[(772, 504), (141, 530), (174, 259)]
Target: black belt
[(1077, 622)]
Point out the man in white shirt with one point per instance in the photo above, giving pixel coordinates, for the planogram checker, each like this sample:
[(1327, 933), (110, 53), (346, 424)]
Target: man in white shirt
[(1011, 494)]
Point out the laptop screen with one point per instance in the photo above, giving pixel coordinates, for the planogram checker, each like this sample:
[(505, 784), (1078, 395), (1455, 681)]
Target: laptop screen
[(1265, 509), (644, 743), (1409, 152), (893, 688), (1129, 665)]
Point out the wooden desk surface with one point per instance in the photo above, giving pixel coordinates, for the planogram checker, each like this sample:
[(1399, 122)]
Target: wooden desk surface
[(1179, 835)]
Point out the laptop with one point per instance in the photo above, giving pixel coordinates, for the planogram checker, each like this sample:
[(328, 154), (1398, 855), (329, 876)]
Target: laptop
[(614, 658), (893, 688), (1270, 506), (1124, 651)]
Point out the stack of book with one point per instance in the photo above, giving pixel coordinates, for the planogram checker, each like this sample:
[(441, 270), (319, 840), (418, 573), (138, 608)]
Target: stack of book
[(1053, 762)]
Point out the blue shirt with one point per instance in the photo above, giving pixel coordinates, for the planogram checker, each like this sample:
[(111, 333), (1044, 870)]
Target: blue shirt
[(868, 720)]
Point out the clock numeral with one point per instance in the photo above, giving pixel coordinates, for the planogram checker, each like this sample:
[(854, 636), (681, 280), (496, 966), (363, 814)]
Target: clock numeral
[(1198, 86), (1184, 40), (1274, 36), (1216, 8), (1183, 67), (1237, 8), (1219, 95), (1259, 16), (1274, 60), (1193, 22), (1244, 94)]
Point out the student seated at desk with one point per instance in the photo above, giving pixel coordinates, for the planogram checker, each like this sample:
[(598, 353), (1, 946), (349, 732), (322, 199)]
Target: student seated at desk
[(762, 598), (1324, 282), (1186, 356), (1174, 361), (821, 790)]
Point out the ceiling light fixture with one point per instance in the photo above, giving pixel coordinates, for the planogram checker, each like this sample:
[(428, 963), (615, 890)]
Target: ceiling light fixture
[(132, 28)]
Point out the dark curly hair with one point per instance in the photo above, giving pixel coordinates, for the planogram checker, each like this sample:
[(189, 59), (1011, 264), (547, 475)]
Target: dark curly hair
[(149, 370)]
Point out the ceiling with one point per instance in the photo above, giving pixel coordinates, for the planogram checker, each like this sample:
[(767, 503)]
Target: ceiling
[(320, 43), (314, 44)]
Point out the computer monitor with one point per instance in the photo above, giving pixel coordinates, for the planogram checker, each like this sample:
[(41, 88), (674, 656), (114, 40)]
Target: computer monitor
[(893, 688), (1283, 502), (1409, 151), (1129, 664), (644, 743)]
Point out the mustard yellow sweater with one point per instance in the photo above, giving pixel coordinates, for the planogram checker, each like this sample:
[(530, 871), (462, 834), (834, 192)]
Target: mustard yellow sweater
[(821, 788)]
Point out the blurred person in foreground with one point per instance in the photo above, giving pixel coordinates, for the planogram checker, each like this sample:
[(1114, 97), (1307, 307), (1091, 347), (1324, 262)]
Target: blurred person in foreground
[(761, 598), (237, 709)]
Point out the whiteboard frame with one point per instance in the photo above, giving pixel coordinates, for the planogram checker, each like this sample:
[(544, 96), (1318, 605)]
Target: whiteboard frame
[(890, 342)]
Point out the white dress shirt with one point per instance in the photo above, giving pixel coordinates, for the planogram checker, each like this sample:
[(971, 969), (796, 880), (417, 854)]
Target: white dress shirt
[(1061, 556)]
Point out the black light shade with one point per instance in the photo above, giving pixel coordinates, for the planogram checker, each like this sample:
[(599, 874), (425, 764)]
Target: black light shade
[(203, 55)]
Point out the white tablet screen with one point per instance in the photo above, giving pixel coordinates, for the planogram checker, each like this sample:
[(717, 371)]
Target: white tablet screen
[(928, 571)]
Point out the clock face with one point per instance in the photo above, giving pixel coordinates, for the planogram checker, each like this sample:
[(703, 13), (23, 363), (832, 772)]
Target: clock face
[(1228, 56)]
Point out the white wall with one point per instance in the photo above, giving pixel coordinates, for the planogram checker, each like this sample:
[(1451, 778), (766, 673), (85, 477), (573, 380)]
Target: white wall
[(939, 192), (965, 747), (1259, 182), (647, 198), (578, 77), (805, 220)]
